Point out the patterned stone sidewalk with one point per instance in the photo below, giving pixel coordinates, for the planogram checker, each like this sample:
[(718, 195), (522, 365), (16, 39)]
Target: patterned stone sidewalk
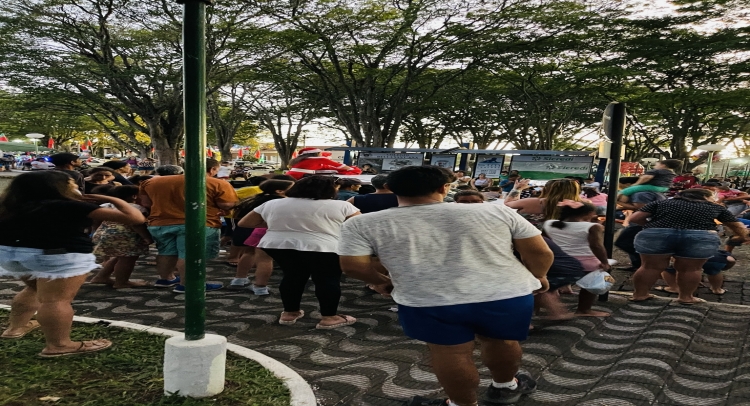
[(650, 353)]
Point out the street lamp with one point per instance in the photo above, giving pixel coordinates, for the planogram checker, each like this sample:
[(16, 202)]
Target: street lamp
[(35, 137), (711, 149)]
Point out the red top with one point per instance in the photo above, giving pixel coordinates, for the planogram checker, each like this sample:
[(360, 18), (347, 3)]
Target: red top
[(319, 165)]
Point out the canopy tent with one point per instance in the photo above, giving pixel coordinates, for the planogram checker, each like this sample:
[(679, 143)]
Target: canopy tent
[(21, 147)]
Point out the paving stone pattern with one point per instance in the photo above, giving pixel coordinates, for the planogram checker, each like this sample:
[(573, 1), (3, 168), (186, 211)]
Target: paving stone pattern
[(648, 353)]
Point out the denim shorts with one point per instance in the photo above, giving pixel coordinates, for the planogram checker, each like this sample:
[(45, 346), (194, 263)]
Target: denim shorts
[(507, 319), (170, 240), (697, 244), (21, 262)]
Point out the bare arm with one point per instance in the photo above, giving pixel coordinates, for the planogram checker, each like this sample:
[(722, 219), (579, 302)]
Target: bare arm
[(738, 229), (350, 200), (535, 254), (630, 206), (596, 243), (252, 220), (643, 179), (639, 217), (146, 201), (122, 213), (226, 205), (364, 268)]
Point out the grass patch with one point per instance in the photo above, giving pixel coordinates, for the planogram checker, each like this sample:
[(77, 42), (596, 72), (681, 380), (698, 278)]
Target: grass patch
[(129, 373)]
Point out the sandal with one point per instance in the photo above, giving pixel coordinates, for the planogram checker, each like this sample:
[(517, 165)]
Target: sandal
[(696, 300), (631, 299), (663, 289), (86, 347), (31, 326), (348, 321), (290, 322)]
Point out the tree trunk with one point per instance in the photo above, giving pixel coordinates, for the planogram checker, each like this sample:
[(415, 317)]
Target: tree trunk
[(165, 153)]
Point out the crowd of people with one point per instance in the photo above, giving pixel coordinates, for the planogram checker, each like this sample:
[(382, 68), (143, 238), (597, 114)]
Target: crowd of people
[(391, 234)]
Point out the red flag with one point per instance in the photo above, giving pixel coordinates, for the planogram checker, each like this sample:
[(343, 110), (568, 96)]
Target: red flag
[(257, 154), (88, 144), (153, 150), (182, 153), (239, 153), (3, 138), (294, 154), (210, 153), (51, 143)]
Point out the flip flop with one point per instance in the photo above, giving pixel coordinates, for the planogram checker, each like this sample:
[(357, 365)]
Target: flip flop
[(650, 297), (227, 263), (719, 294), (94, 346), (349, 320), (663, 289), (695, 302), (34, 325), (290, 322)]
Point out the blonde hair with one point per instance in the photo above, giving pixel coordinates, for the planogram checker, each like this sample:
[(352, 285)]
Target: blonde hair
[(557, 190)]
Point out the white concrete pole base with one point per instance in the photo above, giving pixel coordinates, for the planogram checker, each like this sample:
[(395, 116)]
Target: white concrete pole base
[(195, 368)]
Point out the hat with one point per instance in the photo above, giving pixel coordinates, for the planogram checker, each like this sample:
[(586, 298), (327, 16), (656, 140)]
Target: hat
[(309, 150)]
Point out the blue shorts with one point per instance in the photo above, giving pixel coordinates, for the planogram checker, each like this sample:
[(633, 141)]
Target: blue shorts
[(170, 240), (507, 319), (691, 244), (714, 265)]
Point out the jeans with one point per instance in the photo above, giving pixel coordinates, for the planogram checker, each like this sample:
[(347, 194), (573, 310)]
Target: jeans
[(298, 267), (692, 244), (626, 241)]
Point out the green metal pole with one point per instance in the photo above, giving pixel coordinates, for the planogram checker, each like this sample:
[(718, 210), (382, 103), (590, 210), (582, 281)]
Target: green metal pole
[(194, 88)]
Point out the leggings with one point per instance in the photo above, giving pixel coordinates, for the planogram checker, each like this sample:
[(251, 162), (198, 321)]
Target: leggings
[(298, 267)]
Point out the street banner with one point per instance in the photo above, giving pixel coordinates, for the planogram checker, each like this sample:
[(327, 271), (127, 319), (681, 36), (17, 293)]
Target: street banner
[(545, 167), (387, 162), (490, 165)]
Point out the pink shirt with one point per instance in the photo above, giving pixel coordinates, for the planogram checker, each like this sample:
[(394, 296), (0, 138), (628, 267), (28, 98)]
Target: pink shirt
[(598, 200)]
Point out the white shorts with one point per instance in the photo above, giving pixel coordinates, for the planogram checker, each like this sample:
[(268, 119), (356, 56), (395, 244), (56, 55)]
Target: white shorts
[(21, 262)]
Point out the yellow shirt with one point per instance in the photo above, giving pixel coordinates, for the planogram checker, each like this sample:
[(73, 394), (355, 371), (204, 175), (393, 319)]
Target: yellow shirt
[(244, 193)]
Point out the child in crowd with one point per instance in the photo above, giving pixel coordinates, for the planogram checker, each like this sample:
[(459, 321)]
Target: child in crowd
[(578, 236), (270, 190), (468, 196), (118, 246), (658, 179)]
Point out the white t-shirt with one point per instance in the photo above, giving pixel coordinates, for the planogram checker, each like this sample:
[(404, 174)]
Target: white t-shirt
[(224, 172), (445, 253), (593, 185), (573, 239), (304, 224)]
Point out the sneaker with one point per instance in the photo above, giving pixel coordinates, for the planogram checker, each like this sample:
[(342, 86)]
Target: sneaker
[(238, 284), (209, 287), (421, 401), (505, 396), (166, 283), (261, 291)]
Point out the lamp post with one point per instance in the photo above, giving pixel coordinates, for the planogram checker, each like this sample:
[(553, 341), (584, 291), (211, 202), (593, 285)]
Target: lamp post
[(35, 137), (711, 149)]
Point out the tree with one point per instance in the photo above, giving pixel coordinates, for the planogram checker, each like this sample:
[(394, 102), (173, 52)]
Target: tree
[(365, 58), (121, 59)]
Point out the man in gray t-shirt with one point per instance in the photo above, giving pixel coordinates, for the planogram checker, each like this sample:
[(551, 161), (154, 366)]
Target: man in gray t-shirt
[(453, 290)]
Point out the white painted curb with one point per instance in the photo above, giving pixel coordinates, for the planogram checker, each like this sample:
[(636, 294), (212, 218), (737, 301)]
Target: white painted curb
[(301, 393)]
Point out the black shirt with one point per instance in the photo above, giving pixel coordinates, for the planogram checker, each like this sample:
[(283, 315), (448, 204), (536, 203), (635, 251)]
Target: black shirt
[(76, 177), (52, 224), (686, 215), (375, 202)]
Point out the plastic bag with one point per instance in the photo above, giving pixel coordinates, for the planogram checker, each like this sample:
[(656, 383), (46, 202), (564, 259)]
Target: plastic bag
[(596, 282)]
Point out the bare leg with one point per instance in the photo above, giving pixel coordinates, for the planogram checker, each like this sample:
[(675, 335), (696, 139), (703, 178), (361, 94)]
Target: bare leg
[(717, 283), (165, 266), (263, 268), (555, 309), (689, 272), (502, 357), (56, 313), (104, 275), (246, 261), (22, 309), (181, 270), (586, 299), (455, 370), (647, 275), (123, 269), (235, 253), (671, 280)]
